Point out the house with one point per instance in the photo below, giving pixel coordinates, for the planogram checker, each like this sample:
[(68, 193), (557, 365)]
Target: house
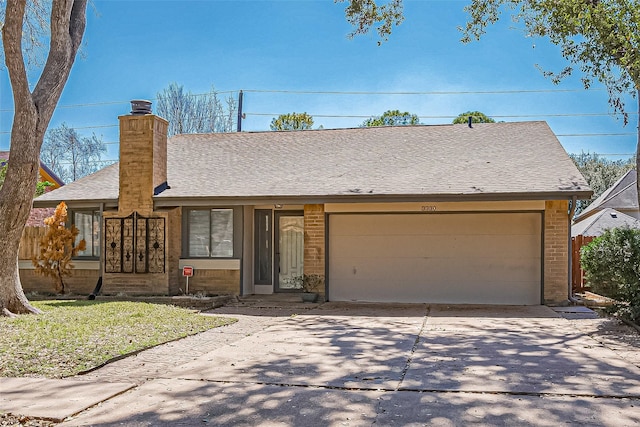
[(601, 220), (46, 174), (621, 196), (441, 214), (616, 207), (37, 215)]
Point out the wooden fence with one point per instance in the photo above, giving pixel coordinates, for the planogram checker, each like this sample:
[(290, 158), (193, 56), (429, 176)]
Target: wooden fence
[(577, 274), (30, 242)]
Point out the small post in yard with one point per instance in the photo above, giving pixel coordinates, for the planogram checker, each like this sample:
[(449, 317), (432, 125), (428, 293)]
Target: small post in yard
[(187, 271)]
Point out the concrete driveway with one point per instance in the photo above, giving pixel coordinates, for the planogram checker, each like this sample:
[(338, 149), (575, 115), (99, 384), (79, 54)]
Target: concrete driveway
[(358, 364)]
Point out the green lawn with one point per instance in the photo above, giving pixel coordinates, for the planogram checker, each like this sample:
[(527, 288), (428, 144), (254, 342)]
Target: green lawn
[(73, 336)]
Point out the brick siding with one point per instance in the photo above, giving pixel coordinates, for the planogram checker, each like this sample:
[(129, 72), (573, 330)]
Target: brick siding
[(556, 251), (314, 240)]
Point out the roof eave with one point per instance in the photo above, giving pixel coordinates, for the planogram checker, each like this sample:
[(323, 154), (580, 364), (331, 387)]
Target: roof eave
[(367, 198), (109, 203)]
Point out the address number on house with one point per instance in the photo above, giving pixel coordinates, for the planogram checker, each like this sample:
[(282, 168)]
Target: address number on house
[(428, 208)]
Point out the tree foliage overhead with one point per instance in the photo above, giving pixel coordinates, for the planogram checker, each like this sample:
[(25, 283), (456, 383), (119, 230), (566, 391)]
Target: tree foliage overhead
[(476, 117), (392, 118), (365, 14), (195, 113), (599, 172), (57, 248), (69, 155), (292, 121), (599, 37)]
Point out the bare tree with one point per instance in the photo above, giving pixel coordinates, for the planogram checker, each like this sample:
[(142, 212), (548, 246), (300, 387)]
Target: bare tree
[(32, 113), (70, 155), (190, 113)]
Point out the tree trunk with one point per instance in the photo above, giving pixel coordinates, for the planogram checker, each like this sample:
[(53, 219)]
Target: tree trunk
[(638, 152), (32, 113)]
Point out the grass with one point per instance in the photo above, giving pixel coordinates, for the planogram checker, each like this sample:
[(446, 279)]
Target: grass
[(73, 336)]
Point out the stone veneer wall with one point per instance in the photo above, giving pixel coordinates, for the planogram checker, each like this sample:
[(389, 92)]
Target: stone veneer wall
[(556, 251)]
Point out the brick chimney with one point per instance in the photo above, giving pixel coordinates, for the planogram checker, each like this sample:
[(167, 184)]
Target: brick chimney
[(143, 159)]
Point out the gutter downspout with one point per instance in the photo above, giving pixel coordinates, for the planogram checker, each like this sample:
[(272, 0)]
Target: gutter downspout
[(572, 212)]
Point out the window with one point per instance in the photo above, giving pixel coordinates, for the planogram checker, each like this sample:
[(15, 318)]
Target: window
[(210, 233), (88, 223)]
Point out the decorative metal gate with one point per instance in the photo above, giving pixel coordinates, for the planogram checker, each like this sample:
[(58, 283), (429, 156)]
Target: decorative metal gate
[(134, 244)]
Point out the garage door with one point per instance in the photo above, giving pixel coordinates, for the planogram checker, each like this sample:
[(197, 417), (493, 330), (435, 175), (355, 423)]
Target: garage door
[(479, 258)]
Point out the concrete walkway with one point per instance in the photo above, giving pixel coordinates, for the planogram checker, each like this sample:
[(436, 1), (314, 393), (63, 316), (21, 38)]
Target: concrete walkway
[(359, 364)]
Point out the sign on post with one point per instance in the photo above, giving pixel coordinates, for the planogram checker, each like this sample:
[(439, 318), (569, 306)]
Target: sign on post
[(187, 271)]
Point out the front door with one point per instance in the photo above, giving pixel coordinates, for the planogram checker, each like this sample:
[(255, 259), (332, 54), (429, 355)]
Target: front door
[(289, 249)]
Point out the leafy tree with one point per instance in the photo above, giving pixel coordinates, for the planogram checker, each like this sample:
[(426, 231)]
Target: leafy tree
[(601, 38), (612, 267), (57, 247), (364, 14), (392, 118), (41, 187), (292, 121), (69, 155), (191, 113), (33, 110), (476, 117), (599, 172)]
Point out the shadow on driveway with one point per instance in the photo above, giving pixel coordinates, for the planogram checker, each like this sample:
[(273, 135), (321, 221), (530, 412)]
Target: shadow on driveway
[(364, 364)]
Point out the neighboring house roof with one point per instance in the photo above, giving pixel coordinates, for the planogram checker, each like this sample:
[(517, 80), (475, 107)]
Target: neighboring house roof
[(622, 195), (603, 220), (46, 174), (447, 162)]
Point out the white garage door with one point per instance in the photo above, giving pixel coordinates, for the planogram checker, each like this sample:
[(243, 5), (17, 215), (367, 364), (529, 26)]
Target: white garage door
[(479, 258)]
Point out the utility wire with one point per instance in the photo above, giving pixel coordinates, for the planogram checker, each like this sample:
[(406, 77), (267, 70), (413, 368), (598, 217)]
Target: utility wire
[(111, 161), (99, 104), (479, 92), (320, 92), (493, 116)]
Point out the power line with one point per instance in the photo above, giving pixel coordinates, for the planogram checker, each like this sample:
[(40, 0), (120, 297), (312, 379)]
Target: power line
[(596, 134), (469, 92), (509, 116), (99, 104), (320, 92), (111, 161), (80, 127)]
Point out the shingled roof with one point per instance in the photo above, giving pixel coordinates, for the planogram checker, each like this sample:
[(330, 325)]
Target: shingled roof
[(603, 220), (622, 195), (446, 162)]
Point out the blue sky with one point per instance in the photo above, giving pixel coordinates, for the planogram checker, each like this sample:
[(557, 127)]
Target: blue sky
[(134, 49)]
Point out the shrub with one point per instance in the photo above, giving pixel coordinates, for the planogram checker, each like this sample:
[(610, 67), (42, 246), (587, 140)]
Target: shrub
[(306, 282), (57, 248), (612, 267)]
